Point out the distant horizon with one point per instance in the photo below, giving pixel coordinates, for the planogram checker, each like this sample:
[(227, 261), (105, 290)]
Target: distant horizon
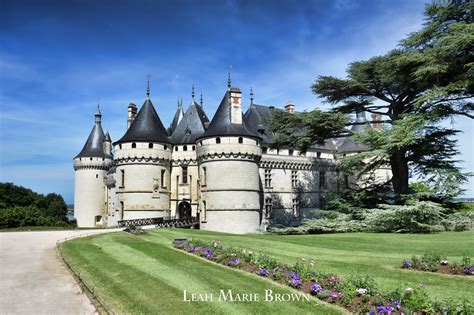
[(57, 58)]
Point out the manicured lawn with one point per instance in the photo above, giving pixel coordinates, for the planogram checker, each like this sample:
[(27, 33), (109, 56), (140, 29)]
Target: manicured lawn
[(143, 274)]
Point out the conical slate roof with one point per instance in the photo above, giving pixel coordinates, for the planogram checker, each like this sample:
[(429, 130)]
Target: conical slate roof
[(146, 127), (94, 144), (222, 126), (191, 126), (176, 119), (255, 118)]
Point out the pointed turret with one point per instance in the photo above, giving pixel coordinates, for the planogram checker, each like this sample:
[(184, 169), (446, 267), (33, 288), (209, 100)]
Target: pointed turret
[(108, 145), (177, 118), (349, 145), (228, 119), (94, 144), (191, 126), (146, 127)]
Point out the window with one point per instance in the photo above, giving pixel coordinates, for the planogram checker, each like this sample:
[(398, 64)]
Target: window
[(318, 154), (264, 150), (150, 145), (176, 148), (122, 207), (322, 179), (194, 148), (296, 207), (123, 178), (290, 152), (268, 207), (184, 173), (163, 184), (268, 178), (185, 148), (165, 147), (134, 145), (96, 175), (120, 146), (294, 179), (204, 210), (200, 142), (218, 140), (204, 175), (241, 140), (91, 159)]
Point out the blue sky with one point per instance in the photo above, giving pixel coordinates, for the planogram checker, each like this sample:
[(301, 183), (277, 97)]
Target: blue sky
[(58, 57)]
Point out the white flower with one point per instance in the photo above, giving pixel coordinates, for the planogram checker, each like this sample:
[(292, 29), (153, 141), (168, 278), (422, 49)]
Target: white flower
[(250, 252), (303, 259), (311, 263), (444, 262), (409, 290), (361, 291)]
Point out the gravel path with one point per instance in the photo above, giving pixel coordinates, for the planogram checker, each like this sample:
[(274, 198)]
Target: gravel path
[(33, 280)]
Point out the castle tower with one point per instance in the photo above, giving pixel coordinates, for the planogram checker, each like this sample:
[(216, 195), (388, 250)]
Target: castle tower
[(228, 154), (91, 166), (143, 160), (185, 171)]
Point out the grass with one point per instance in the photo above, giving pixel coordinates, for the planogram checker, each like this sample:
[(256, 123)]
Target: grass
[(143, 274)]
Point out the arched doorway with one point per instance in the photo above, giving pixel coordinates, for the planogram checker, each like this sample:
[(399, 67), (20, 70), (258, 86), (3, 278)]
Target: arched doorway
[(184, 210)]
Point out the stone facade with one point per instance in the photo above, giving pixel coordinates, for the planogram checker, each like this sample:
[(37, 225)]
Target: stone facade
[(220, 171)]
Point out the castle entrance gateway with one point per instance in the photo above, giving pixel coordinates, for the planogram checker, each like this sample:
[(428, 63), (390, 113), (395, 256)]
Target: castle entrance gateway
[(184, 210)]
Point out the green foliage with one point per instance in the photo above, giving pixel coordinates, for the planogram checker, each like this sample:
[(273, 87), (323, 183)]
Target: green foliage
[(420, 217), (21, 207)]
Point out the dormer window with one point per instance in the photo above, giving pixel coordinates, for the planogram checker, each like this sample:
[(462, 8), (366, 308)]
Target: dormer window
[(241, 140), (150, 145), (134, 145), (218, 140)]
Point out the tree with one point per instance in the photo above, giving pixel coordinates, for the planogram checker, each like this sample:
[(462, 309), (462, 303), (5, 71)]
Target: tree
[(416, 88)]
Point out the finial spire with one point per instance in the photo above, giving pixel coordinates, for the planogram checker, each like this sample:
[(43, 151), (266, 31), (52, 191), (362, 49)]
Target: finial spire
[(148, 87), (201, 100), (179, 104), (229, 83), (98, 114), (251, 96), (192, 93)]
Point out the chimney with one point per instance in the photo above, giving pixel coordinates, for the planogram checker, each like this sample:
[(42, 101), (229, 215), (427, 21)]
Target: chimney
[(290, 107), (132, 112), (377, 122), (235, 106)]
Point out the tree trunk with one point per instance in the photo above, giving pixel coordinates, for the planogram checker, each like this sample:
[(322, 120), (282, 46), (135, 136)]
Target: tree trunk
[(399, 165)]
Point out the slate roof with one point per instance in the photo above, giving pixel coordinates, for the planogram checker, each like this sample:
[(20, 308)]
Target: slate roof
[(146, 127), (255, 120), (176, 119), (348, 144), (94, 144), (222, 126), (191, 126)]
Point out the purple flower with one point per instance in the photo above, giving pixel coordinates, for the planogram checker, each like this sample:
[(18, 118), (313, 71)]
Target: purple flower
[(407, 264), (191, 249), (208, 252), (396, 304), (264, 272), (469, 270), (296, 283), (294, 276), (316, 288), (182, 244), (382, 309), (233, 262)]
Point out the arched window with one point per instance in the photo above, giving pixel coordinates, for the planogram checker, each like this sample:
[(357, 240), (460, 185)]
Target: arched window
[(91, 159), (176, 148), (185, 148), (200, 142), (134, 145), (120, 146), (166, 147), (150, 145), (241, 140), (194, 148), (218, 140)]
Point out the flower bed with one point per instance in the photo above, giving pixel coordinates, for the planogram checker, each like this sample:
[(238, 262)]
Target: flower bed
[(435, 263), (358, 294)]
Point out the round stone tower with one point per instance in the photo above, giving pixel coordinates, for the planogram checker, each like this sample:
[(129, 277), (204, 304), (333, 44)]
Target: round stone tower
[(91, 166), (143, 162), (228, 154)]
